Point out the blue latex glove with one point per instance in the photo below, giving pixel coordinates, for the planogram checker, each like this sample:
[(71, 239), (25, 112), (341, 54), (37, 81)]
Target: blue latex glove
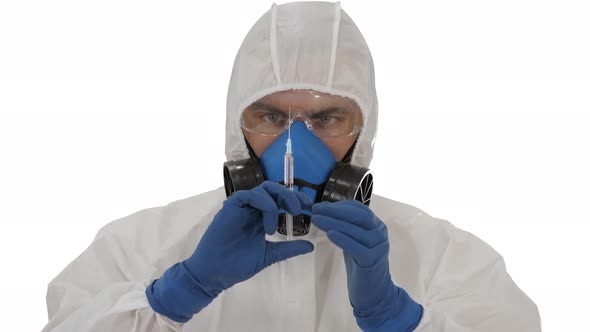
[(378, 304), (233, 249)]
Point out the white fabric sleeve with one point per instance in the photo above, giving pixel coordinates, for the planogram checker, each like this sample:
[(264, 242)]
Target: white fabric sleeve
[(470, 289), (104, 290)]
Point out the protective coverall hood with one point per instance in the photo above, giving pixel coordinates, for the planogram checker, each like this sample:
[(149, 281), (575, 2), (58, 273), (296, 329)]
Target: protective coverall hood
[(303, 45)]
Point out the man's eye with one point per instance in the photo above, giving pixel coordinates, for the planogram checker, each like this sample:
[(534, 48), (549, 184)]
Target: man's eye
[(272, 117), (325, 119)]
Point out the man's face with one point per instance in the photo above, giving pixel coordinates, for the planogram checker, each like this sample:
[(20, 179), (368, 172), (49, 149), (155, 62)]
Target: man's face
[(311, 103)]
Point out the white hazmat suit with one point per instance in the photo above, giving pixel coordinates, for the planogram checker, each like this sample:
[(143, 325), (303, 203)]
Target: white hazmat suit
[(460, 281)]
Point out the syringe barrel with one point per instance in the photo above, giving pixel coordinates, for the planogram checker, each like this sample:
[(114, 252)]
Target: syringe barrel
[(289, 176)]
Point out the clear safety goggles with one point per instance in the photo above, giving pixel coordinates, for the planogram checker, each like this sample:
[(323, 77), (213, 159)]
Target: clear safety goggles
[(324, 114)]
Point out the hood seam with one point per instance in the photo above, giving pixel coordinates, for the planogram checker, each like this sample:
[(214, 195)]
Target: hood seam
[(273, 43), (335, 31)]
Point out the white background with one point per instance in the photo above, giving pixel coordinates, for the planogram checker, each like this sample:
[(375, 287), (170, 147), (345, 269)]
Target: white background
[(109, 107)]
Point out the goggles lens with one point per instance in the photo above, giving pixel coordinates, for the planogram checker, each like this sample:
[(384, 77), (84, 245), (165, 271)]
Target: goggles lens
[(325, 115)]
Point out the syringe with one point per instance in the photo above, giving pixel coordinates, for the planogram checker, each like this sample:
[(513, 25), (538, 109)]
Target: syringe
[(288, 178)]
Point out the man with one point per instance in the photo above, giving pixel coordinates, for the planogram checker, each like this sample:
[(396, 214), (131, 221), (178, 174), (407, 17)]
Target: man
[(303, 78)]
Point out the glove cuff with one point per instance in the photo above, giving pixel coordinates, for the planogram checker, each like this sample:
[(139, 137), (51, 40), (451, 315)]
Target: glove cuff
[(397, 312), (178, 295), (407, 319)]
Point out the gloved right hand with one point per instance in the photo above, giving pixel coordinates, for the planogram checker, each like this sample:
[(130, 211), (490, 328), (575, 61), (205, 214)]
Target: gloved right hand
[(233, 249)]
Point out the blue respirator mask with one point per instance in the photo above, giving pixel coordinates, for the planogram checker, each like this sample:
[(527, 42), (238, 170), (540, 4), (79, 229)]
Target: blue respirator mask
[(316, 173)]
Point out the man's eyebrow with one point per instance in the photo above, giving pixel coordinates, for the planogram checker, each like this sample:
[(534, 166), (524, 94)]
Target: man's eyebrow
[(267, 107), (328, 110)]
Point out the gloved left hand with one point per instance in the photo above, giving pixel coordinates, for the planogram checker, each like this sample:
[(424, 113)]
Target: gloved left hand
[(378, 304), (232, 250)]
